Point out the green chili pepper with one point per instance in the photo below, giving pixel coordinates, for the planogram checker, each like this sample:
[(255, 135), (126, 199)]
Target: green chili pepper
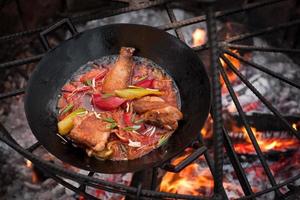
[(133, 93), (88, 82), (163, 140), (132, 128), (66, 109), (109, 120)]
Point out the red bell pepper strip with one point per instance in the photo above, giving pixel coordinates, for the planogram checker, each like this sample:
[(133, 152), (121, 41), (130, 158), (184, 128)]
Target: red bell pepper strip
[(109, 103), (148, 83), (127, 119)]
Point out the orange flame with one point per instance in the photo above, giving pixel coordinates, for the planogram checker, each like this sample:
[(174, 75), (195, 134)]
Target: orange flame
[(193, 180), (199, 37), (265, 144), (206, 131), (34, 176), (29, 164), (235, 62), (295, 126)]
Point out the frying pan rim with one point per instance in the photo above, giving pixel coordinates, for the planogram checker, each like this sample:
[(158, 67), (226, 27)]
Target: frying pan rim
[(158, 162)]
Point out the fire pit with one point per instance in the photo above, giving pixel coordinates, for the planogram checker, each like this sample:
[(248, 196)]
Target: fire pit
[(251, 139)]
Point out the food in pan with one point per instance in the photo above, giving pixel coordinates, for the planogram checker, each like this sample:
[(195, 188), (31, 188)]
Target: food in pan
[(119, 107)]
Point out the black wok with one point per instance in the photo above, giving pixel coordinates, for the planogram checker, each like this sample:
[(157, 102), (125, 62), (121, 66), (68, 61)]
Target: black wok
[(58, 65)]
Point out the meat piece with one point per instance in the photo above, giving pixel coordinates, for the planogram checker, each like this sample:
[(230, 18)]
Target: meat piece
[(166, 117), (119, 76), (134, 153), (147, 103), (166, 86), (91, 132), (157, 112)]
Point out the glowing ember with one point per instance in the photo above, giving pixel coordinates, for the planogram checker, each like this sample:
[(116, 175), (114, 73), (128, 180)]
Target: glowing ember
[(199, 37)]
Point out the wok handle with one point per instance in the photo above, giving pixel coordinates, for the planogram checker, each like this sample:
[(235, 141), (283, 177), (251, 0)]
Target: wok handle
[(64, 22), (199, 150)]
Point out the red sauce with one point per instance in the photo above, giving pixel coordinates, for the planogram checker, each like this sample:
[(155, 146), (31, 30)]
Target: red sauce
[(130, 135)]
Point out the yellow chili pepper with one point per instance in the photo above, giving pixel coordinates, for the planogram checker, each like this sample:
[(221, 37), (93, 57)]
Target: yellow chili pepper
[(65, 125), (134, 93), (104, 154)]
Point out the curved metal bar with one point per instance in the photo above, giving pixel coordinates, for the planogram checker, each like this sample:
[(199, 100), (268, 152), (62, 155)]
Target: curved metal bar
[(71, 187)]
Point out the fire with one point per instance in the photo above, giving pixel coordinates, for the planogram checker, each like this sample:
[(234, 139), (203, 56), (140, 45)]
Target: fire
[(231, 76), (199, 37), (295, 126), (266, 144), (29, 164), (206, 131), (34, 176), (193, 180), (233, 60)]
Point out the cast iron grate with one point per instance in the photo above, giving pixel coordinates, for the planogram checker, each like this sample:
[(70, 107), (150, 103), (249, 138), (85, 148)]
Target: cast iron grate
[(221, 137)]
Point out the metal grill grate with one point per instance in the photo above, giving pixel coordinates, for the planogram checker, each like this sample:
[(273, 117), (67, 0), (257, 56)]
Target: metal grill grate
[(221, 137)]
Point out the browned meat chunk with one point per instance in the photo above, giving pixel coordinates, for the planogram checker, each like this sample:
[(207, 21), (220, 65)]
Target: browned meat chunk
[(91, 132), (158, 112), (119, 76), (166, 117), (148, 103)]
